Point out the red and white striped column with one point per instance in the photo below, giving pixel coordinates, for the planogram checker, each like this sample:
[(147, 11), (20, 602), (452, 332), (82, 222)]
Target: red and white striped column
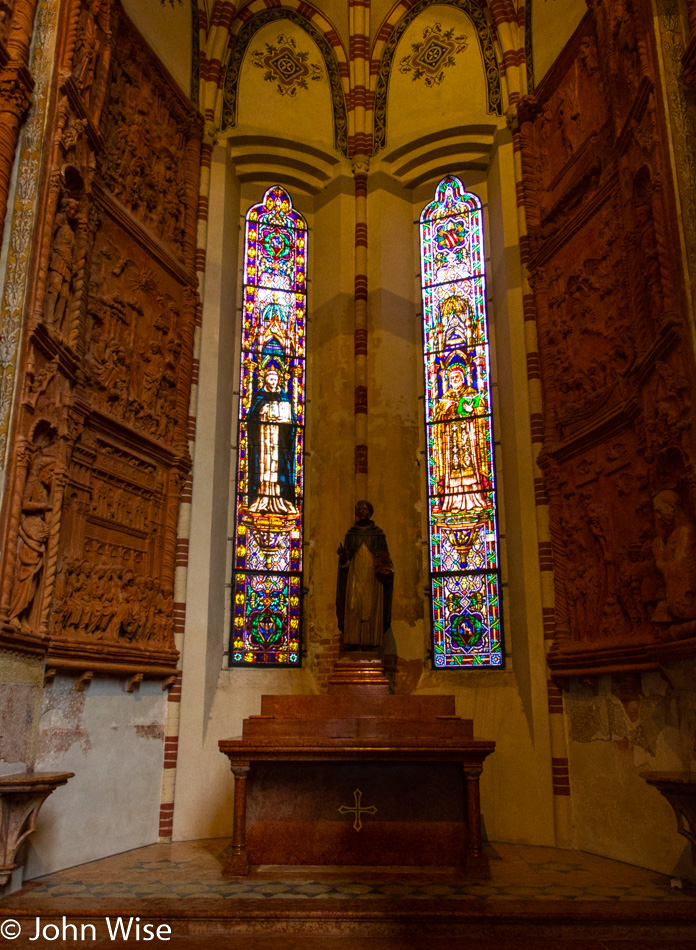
[(360, 149)]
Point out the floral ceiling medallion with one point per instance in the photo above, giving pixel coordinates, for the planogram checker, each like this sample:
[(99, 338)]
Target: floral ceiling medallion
[(287, 66), (433, 54)]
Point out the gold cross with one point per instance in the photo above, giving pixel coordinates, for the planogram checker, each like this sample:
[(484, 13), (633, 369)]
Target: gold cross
[(358, 809)]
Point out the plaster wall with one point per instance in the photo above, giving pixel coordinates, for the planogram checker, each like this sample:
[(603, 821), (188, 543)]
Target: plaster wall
[(553, 22), (113, 741), (631, 726), (21, 682), (168, 31)]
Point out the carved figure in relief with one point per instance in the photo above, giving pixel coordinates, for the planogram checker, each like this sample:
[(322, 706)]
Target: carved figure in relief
[(675, 558), (459, 437), (33, 534), (364, 584), (61, 263), (153, 373)]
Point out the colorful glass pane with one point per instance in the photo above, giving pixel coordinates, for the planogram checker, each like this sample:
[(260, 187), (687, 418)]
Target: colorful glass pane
[(464, 563), (267, 555)]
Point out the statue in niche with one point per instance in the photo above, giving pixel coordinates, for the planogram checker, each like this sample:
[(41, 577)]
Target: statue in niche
[(458, 440), (32, 538), (675, 558), (61, 263), (271, 428), (364, 586)]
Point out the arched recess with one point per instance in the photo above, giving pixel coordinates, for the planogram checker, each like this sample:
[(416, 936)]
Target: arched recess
[(230, 90), (386, 58)]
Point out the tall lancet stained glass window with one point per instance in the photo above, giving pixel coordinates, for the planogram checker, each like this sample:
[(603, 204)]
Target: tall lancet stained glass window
[(267, 556), (464, 566)]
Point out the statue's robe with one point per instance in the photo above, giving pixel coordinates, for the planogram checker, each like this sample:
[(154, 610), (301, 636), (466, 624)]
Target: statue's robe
[(364, 587)]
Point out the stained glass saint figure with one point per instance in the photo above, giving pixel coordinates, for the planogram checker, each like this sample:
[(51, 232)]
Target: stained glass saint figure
[(464, 564), (268, 543), (272, 447)]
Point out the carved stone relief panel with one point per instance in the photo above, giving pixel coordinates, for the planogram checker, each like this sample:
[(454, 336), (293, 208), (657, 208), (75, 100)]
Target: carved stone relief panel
[(147, 128), (136, 330), (587, 326), (100, 449), (618, 375), (112, 588)]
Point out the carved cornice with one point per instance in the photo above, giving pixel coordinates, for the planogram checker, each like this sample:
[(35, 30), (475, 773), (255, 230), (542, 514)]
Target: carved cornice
[(20, 641), (147, 240), (551, 245), (79, 657)]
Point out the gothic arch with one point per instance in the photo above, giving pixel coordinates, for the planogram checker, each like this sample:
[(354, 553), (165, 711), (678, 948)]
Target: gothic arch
[(388, 38), (331, 50)]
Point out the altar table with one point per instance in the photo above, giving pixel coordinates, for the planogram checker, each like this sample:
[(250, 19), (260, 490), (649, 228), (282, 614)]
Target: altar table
[(357, 778)]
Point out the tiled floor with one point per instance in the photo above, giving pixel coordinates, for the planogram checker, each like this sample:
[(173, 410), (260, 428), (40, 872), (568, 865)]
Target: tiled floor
[(192, 869), (536, 899)]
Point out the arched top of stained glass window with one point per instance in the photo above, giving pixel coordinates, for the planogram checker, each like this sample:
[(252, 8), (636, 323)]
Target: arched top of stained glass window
[(464, 562), (267, 563)]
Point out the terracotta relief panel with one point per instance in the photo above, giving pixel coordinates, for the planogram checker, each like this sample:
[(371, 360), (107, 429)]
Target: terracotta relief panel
[(100, 450), (146, 129), (615, 349)]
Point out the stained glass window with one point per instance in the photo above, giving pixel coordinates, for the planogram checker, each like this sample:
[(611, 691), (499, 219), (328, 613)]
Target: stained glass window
[(267, 555), (464, 565)]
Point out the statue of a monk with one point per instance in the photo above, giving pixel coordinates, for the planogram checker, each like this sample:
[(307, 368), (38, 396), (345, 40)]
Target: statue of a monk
[(364, 586)]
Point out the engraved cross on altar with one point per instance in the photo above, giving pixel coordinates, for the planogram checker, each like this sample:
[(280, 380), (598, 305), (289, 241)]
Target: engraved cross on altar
[(358, 809)]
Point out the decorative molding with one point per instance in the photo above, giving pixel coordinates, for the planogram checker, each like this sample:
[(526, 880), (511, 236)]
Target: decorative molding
[(242, 41)]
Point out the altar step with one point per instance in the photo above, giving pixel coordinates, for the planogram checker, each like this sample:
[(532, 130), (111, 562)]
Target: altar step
[(501, 924)]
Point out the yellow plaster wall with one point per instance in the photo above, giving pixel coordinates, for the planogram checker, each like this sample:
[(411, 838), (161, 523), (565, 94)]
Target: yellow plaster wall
[(415, 108), (167, 29), (553, 23), (305, 116)]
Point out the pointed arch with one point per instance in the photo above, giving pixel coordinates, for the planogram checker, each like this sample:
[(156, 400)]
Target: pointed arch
[(250, 20), (391, 31)]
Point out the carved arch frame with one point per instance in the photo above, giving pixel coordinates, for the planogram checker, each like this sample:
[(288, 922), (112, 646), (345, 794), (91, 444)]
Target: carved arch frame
[(230, 86), (486, 45)]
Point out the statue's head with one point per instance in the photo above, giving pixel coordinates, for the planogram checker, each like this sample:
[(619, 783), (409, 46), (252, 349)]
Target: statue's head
[(363, 511), (666, 505)]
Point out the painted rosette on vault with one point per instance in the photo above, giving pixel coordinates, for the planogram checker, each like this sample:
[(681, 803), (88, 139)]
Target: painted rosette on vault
[(267, 556), (464, 562)]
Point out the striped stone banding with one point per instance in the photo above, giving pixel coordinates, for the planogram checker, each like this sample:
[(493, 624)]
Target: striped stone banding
[(540, 496), (548, 616), (181, 557), (174, 694), (171, 751), (361, 287), (361, 460), (529, 307), (555, 698), (191, 433), (360, 399), (545, 556), (166, 819), (361, 234), (361, 342), (560, 776), (179, 617), (537, 424), (533, 366)]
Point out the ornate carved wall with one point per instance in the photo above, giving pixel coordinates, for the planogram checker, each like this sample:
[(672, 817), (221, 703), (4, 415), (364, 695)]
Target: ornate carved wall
[(615, 347), (100, 448)]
